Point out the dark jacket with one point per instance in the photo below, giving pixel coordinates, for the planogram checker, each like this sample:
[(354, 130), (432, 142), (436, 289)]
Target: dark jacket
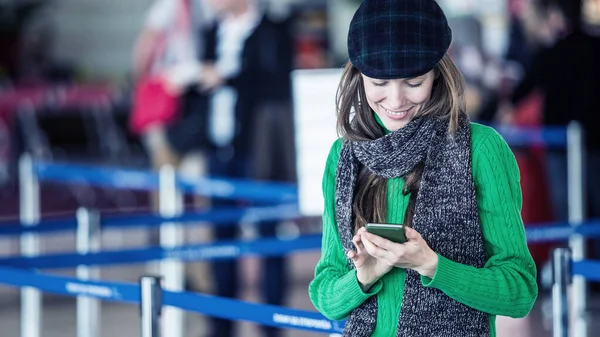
[(264, 77), (568, 74)]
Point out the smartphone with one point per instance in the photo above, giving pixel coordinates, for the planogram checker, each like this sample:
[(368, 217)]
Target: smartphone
[(392, 232)]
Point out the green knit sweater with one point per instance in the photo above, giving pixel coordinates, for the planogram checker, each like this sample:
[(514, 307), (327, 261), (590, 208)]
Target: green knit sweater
[(505, 286)]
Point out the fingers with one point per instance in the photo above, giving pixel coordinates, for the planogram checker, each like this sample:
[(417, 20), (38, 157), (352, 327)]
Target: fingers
[(356, 259), (357, 243), (352, 255), (378, 240), (399, 255), (374, 250)]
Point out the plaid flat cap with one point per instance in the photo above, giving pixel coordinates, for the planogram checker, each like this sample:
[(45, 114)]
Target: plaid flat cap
[(391, 39)]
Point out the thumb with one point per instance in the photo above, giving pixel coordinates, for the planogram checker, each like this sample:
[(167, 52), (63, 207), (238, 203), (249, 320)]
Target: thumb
[(356, 259), (352, 255)]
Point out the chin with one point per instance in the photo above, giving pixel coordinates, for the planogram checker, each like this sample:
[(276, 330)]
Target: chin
[(395, 125)]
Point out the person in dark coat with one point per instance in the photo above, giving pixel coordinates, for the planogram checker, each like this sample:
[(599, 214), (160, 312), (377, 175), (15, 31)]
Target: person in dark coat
[(249, 128)]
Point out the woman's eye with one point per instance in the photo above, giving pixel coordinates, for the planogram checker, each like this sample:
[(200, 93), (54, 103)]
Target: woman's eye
[(379, 84), (415, 85)]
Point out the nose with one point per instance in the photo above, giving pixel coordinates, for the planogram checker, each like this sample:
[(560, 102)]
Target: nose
[(395, 98)]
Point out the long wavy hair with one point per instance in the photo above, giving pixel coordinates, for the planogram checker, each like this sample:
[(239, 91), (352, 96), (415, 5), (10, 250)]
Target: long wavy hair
[(355, 122)]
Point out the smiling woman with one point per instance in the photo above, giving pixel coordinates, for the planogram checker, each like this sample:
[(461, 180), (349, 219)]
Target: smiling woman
[(409, 155), (397, 101)]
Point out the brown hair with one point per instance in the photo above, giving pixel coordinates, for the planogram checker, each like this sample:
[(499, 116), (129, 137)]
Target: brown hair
[(356, 122)]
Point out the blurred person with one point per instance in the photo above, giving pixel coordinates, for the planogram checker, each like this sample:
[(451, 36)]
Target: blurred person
[(536, 31), (168, 49), (170, 107), (409, 155), (566, 72), (533, 26), (566, 75), (246, 72), (518, 49)]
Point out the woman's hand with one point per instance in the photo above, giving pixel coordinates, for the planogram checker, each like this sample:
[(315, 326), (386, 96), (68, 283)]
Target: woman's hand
[(368, 268), (414, 254)]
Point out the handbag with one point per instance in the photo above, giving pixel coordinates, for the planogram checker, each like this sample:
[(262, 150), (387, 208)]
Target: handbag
[(153, 103)]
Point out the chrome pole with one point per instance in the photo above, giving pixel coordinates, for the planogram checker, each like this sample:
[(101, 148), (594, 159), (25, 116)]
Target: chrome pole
[(150, 306)]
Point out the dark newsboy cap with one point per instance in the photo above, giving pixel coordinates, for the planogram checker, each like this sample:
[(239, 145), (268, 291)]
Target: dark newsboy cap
[(398, 38)]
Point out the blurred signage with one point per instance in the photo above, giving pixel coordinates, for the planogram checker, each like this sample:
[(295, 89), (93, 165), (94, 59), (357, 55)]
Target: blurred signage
[(315, 131)]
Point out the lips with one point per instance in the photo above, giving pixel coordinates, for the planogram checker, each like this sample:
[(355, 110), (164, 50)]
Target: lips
[(397, 114)]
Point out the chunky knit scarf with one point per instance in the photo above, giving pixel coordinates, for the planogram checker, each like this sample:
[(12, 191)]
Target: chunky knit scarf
[(445, 215)]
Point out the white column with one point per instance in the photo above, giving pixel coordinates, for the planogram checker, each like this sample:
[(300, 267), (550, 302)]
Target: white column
[(576, 191), (171, 235), (29, 213), (88, 241)]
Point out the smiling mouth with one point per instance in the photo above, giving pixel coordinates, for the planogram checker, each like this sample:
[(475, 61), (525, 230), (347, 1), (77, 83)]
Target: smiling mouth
[(397, 114)]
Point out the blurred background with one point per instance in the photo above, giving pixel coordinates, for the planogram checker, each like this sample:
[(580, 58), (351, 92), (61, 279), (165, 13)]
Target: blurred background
[(76, 78)]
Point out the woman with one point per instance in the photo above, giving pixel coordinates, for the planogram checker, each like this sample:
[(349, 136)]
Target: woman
[(410, 156)]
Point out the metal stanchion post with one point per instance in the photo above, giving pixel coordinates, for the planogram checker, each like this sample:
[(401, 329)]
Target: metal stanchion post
[(88, 241), (29, 213), (561, 272), (150, 306), (576, 189), (171, 235)]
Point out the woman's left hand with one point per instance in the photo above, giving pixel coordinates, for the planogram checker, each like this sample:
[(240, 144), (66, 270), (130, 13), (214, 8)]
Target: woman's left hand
[(414, 254)]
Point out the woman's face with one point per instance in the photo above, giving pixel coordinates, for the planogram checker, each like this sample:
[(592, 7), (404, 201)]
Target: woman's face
[(397, 101)]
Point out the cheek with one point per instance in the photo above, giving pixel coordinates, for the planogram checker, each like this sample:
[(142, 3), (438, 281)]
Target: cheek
[(419, 96), (374, 95)]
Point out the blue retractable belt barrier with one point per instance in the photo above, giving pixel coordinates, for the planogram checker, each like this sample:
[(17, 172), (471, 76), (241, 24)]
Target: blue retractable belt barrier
[(121, 292), (148, 180), (240, 189), (228, 216), (96, 175), (220, 250), (549, 136), (589, 229), (561, 231), (220, 216), (259, 313), (548, 233), (198, 303), (589, 269), (45, 226)]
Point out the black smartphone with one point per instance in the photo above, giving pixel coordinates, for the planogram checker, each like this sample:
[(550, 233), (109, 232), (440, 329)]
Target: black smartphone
[(392, 232)]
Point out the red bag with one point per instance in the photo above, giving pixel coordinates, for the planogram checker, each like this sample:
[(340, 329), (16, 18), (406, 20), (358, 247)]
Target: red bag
[(152, 104)]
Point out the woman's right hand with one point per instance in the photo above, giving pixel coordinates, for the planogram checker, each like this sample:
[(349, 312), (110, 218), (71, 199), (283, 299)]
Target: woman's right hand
[(368, 268)]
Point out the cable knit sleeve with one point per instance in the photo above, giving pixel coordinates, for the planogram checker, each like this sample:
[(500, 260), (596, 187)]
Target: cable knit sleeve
[(335, 291), (506, 285)]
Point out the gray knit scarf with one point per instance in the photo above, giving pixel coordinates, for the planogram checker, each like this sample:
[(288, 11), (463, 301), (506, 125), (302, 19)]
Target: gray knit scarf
[(445, 215)]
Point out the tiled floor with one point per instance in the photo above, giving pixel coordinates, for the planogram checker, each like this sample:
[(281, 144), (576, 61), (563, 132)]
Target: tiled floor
[(123, 320)]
